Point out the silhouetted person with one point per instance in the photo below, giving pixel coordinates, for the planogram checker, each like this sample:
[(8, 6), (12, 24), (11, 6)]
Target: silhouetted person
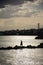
[(21, 44)]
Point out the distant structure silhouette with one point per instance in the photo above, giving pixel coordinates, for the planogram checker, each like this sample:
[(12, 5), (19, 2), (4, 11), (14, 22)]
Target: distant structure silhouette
[(38, 26), (21, 44)]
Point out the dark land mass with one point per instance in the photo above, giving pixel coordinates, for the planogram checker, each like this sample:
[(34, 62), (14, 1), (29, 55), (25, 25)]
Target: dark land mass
[(38, 32), (19, 32), (22, 47)]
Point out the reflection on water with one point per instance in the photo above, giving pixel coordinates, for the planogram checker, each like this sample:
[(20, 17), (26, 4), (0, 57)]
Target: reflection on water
[(22, 57), (15, 40)]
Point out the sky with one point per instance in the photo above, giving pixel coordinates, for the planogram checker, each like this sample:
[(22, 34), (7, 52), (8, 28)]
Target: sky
[(20, 14)]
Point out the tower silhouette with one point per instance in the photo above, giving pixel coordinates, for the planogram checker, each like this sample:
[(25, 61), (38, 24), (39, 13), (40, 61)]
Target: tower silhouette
[(38, 26)]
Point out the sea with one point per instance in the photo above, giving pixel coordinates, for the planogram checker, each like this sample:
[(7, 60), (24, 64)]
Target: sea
[(20, 56)]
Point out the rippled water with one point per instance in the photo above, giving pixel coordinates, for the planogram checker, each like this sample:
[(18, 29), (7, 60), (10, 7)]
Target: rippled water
[(15, 40), (23, 56)]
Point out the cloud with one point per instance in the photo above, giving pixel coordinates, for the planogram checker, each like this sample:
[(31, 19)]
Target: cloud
[(12, 2), (21, 8)]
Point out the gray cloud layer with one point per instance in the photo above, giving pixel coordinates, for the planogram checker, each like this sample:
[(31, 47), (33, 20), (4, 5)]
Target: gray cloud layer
[(12, 2), (20, 8)]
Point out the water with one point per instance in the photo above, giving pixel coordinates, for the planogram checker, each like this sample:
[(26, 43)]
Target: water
[(20, 57), (15, 40)]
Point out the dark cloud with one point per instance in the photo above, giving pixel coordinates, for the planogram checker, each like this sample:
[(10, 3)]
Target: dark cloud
[(12, 2), (20, 8)]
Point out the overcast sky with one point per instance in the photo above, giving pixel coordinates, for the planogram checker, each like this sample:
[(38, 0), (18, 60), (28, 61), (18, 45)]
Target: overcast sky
[(20, 14)]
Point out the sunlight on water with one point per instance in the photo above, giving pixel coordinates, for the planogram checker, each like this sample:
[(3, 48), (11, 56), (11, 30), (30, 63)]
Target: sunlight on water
[(15, 40), (22, 57)]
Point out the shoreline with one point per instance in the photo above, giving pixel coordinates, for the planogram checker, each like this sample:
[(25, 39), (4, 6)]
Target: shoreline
[(19, 47)]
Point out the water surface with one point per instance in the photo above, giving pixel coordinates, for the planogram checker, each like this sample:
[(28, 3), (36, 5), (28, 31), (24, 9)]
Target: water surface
[(23, 56), (15, 40)]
